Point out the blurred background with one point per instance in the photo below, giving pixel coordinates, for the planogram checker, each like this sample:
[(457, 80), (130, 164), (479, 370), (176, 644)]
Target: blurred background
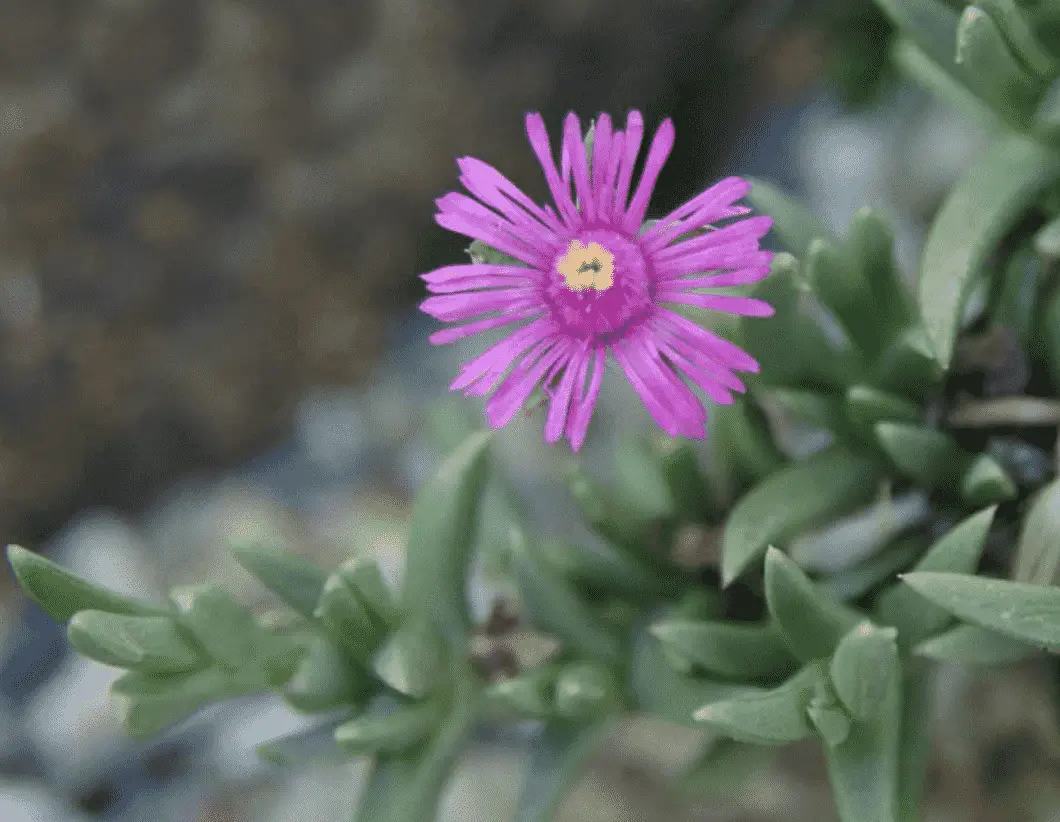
[(212, 215)]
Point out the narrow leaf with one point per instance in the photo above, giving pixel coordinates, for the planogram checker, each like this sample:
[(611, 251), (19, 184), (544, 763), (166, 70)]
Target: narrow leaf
[(991, 69), (1030, 613), (343, 616), (862, 667), (868, 406), (797, 498), (61, 594), (986, 482), (149, 703), (793, 222), (324, 680), (1038, 549), (842, 287), (738, 651), (686, 480), (870, 243), (586, 689), (296, 581), (940, 80), (441, 536), (640, 479), (972, 645), (775, 717), (931, 24), (413, 660), (811, 621), (225, 629), (924, 454), (1019, 34), (603, 569), (980, 209), (309, 747), (145, 643), (382, 730), (914, 747)]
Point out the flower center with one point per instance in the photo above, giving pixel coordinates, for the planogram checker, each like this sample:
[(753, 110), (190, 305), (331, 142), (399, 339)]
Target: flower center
[(599, 285)]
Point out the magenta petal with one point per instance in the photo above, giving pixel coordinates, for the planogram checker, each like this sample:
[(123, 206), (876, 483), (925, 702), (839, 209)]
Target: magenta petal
[(756, 267), (731, 255), (634, 133), (601, 158), (456, 273), (496, 190), (742, 306), (517, 387), (465, 305), (453, 286), (703, 209), (448, 335), (661, 146), (585, 400), (572, 141), (559, 405), (539, 142), (750, 230), (717, 348), (490, 365)]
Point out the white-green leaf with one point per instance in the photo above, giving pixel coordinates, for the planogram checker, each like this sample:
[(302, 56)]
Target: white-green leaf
[(972, 645), (1038, 549), (325, 680), (152, 644), (389, 729), (413, 660), (728, 649), (293, 579), (862, 667)]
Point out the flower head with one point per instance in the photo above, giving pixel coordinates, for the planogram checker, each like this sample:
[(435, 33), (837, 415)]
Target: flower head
[(587, 280)]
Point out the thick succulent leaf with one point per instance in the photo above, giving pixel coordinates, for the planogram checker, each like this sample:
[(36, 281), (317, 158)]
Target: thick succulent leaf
[(296, 581), (585, 690), (309, 747), (1029, 613), (324, 680), (1038, 549), (152, 644), (441, 537), (793, 222), (980, 209), (389, 729), (62, 594), (929, 456), (810, 620), (735, 650), (862, 667), (413, 660), (931, 24), (797, 498), (972, 645)]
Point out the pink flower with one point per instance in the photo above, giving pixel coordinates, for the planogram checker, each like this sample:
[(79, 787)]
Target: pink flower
[(589, 282)]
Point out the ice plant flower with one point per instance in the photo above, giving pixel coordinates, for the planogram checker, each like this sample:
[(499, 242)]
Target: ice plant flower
[(588, 278)]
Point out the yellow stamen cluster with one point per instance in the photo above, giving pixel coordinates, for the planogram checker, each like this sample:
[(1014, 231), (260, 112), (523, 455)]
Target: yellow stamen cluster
[(587, 266)]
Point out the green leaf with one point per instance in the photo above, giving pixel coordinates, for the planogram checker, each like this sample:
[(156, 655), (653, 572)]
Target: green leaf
[(908, 364), (659, 690), (842, 287), (149, 703), (914, 746), (814, 408), (1046, 124), (1050, 337), (742, 443), (810, 620), (1020, 36), (830, 720), (296, 581), (1030, 613), (1016, 302), (792, 348), (793, 222), (641, 483), (990, 68), (585, 689), (862, 667), (728, 770), (1047, 240), (365, 580), (980, 209), (346, 621), (686, 481), (738, 651), (867, 406), (407, 786), (441, 537), (557, 759), (930, 24), (323, 680), (795, 499), (555, 606), (958, 550), (389, 729), (775, 717), (972, 645), (870, 243), (225, 629), (926, 455), (1038, 549), (146, 643), (413, 660), (864, 769), (986, 482), (940, 80), (61, 594)]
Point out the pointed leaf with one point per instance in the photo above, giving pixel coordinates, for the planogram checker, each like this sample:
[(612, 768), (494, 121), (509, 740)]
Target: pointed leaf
[(815, 408), (797, 498), (829, 718), (296, 581), (388, 730), (841, 285), (324, 680), (855, 582), (149, 703), (346, 621), (742, 442), (870, 243), (603, 569), (1030, 613), (941, 81), (775, 717), (931, 24), (738, 651), (225, 629), (990, 68), (557, 759), (908, 364), (1038, 549), (868, 406), (152, 644), (527, 695), (811, 621), (728, 770), (958, 550), (972, 645), (61, 594), (1020, 36), (793, 222), (914, 746), (928, 456), (309, 747), (980, 209), (413, 660), (441, 536), (864, 769), (986, 482), (686, 480), (365, 580), (640, 479), (480, 252), (862, 666)]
